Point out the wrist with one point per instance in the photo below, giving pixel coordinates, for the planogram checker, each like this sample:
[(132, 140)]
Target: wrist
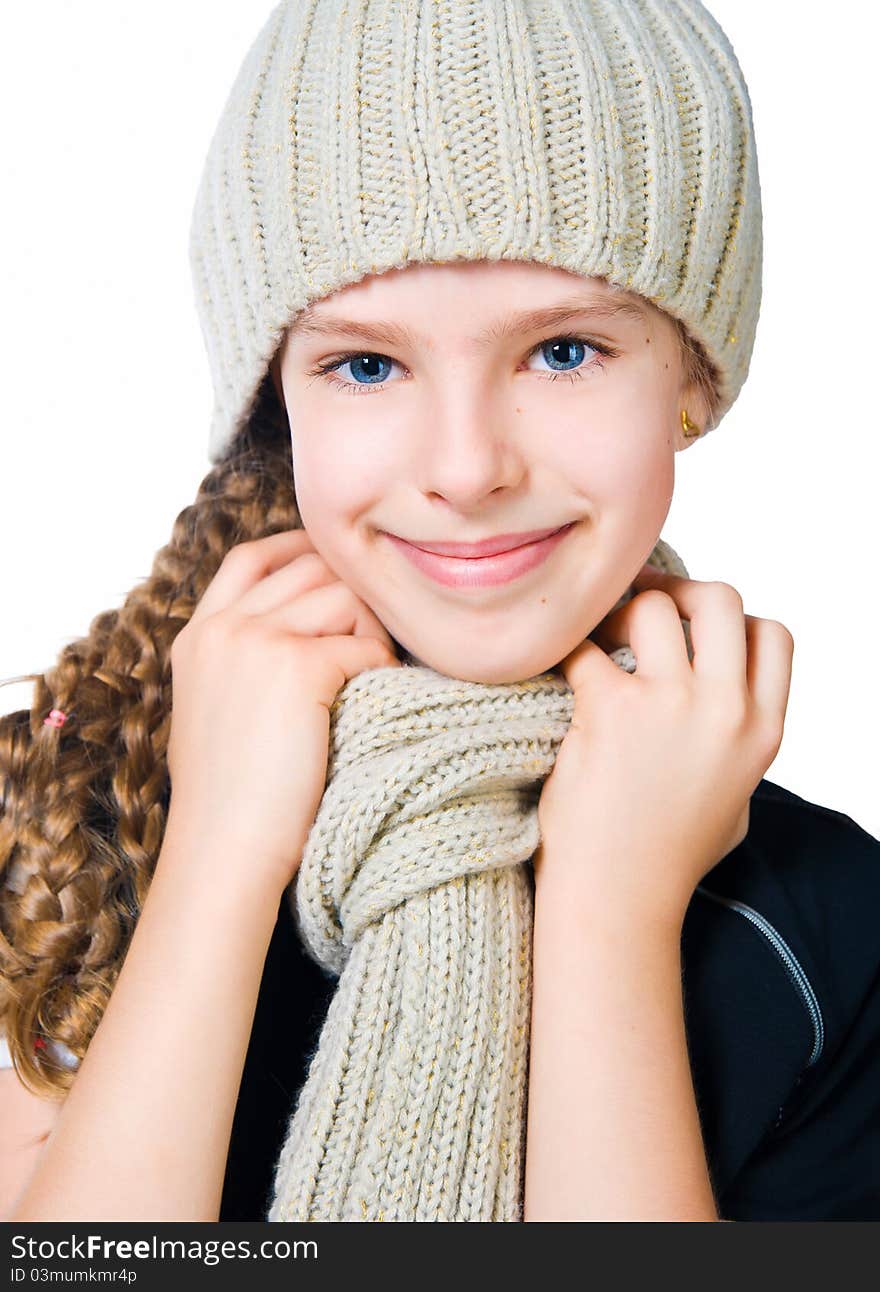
[(598, 900), (212, 867)]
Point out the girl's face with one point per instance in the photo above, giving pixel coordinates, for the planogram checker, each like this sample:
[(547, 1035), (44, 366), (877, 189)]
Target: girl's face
[(432, 403)]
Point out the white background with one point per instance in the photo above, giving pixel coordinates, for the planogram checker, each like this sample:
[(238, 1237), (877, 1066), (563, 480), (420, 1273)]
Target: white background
[(107, 112)]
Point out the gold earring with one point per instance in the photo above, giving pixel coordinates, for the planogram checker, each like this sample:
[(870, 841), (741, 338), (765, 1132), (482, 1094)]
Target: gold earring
[(687, 426)]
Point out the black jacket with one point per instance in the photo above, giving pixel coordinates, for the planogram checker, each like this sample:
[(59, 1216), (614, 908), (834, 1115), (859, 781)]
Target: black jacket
[(781, 983)]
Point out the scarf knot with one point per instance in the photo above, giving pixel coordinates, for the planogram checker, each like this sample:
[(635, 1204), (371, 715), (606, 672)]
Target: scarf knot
[(429, 779)]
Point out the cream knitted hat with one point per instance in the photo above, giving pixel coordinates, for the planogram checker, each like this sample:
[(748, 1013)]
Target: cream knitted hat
[(605, 137)]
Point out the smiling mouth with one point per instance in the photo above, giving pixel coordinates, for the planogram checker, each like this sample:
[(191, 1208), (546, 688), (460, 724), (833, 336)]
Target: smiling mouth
[(500, 566), (487, 546)]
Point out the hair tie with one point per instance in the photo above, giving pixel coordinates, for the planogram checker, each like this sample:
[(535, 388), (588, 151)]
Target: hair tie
[(56, 718)]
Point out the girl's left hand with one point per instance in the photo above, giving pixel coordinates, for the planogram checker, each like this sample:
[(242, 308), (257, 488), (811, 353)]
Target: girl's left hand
[(652, 782)]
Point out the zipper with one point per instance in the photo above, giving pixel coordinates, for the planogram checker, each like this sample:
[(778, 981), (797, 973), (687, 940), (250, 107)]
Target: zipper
[(790, 961)]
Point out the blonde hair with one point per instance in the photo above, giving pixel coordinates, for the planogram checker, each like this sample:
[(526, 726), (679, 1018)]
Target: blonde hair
[(83, 808)]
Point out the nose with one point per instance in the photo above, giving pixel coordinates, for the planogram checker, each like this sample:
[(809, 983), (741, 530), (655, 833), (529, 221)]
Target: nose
[(470, 448)]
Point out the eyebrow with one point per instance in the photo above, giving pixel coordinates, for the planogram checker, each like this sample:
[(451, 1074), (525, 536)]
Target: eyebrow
[(389, 332)]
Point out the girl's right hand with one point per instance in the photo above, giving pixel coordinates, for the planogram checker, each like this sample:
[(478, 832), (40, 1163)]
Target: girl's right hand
[(254, 672)]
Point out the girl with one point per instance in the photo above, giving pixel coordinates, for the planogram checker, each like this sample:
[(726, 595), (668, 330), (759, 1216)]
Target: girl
[(419, 763)]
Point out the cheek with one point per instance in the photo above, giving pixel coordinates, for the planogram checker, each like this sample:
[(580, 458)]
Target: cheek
[(336, 474), (642, 478), (627, 463)]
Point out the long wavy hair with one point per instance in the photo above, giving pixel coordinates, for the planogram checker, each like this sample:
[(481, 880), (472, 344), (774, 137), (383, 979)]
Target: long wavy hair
[(83, 807)]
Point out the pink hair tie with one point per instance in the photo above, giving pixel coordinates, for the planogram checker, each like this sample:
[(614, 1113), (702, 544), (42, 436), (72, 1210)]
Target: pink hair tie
[(56, 718)]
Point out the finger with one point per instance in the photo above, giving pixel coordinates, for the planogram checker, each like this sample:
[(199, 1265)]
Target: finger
[(329, 611), (714, 612), (771, 649), (354, 655), (588, 666), (247, 563), (650, 625), (288, 582)]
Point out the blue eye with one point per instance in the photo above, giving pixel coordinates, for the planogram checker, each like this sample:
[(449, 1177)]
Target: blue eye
[(365, 363), (570, 344)]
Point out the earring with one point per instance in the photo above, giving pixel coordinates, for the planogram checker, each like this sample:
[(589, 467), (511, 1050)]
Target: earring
[(687, 426)]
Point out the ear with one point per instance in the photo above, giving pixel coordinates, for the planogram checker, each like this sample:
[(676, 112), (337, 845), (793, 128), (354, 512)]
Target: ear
[(693, 401)]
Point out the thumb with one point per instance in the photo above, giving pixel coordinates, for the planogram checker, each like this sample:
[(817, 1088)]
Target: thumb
[(587, 666)]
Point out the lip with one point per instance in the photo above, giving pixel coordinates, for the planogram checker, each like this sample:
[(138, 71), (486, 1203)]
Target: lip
[(482, 571), (488, 546)]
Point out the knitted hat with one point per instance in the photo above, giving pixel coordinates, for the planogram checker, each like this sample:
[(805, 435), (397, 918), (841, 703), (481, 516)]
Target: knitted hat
[(610, 138)]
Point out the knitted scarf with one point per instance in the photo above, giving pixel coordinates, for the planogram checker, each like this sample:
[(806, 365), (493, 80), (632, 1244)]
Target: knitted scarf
[(415, 890)]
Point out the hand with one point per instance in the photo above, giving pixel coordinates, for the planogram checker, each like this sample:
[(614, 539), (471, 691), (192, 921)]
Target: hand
[(255, 670), (652, 782)]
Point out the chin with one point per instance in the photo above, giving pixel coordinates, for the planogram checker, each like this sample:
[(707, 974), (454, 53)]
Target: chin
[(493, 672)]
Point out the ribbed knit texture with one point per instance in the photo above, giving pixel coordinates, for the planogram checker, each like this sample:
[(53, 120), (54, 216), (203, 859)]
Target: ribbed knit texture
[(414, 889), (606, 137)]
